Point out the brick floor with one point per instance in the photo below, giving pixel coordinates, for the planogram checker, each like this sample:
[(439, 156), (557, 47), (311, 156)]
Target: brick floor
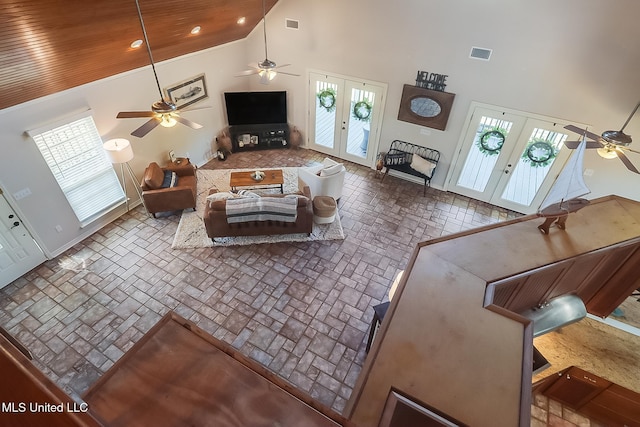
[(301, 309)]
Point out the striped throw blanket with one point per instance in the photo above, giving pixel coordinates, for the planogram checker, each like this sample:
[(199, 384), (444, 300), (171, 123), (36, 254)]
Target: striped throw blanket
[(261, 209)]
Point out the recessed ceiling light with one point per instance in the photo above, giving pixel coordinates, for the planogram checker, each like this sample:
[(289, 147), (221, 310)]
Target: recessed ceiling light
[(136, 44), (195, 30), (241, 20)]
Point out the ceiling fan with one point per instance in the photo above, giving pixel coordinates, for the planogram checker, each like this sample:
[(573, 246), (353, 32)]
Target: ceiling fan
[(611, 144), (265, 69), (163, 112)]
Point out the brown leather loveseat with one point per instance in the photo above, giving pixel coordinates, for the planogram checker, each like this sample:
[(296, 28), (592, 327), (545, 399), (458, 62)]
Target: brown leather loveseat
[(215, 219)]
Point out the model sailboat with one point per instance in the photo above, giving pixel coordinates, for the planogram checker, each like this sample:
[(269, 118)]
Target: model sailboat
[(565, 194)]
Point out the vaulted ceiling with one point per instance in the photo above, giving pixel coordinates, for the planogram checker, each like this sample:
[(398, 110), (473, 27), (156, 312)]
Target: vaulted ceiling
[(47, 46)]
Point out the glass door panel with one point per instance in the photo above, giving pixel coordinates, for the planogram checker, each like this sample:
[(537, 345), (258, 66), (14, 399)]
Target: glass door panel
[(489, 139), (538, 160), (360, 115), (325, 110), (325, 115)]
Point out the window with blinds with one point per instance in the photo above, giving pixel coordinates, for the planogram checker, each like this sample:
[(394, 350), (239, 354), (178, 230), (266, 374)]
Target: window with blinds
[(73, 151)]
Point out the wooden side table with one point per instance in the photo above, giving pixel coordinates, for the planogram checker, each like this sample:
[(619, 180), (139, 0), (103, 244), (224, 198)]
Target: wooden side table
[(180, 163)]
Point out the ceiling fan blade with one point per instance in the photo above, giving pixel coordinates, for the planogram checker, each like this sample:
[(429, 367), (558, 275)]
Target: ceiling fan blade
[(134, 114), (628, 149), (626, 161), (580, 131), (146, 128), (188, 109), (572, 144), (192, 125), (247, 73), (281, 66), (575, 129), (590, 144), (289, 74)]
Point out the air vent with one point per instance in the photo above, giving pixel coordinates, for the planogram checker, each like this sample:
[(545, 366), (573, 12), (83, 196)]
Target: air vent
[(480, 53), (292, 24)]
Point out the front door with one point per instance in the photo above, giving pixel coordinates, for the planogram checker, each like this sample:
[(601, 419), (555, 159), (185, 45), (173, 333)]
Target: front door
[(509, 159), (345, 117), (19, 253)]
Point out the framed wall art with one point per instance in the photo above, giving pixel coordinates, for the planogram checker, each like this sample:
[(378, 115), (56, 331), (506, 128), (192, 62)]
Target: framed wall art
[(188, 92), (425, 107)]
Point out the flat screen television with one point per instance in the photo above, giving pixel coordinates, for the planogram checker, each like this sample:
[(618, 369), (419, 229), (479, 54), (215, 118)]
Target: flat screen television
[(256, 108)]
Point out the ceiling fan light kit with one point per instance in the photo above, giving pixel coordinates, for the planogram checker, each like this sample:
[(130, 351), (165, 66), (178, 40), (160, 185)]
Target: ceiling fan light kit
[(609, 145), (167, 121), (266, 76), (607, 153)]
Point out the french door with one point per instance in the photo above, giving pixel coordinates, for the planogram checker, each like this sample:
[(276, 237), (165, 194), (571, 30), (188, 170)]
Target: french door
[(345, 116), (508, 159), (19, 253)]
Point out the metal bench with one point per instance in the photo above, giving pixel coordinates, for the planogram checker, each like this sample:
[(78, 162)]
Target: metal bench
[(399, 158)]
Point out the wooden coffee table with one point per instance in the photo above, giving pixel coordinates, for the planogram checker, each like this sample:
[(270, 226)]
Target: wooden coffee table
[(271, 177)]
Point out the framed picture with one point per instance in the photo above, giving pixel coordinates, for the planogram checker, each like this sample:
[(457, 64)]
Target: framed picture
[(188, 92), (425, 107)]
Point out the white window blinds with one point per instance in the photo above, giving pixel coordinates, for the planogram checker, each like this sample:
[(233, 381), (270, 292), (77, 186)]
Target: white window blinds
[(73, 151)]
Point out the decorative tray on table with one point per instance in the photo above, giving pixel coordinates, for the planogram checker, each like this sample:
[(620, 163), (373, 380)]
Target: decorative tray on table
[(257, 175)]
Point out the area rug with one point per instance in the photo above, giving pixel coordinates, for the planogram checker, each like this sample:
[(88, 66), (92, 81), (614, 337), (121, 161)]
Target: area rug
[(192, 234)]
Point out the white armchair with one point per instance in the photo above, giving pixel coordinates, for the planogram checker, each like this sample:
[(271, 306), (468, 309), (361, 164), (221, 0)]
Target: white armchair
[(329, 182)]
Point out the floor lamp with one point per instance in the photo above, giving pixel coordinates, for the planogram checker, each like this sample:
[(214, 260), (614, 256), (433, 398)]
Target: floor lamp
[(119, 152)]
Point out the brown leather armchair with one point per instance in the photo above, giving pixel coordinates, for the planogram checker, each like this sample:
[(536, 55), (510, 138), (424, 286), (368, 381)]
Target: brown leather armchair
[(160, 196)]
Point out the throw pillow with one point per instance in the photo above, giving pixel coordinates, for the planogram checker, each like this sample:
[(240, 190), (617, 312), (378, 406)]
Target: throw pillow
[(421, 165), (331, 170), (153, 176), (395, 159), (170, 179), (221, 195)]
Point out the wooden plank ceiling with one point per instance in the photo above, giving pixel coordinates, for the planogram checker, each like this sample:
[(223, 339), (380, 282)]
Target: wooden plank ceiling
[(47, 46)]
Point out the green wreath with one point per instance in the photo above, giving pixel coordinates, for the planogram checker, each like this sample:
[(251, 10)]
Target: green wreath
[(539, 153), (491, 141), (362, 110), (327, 99)]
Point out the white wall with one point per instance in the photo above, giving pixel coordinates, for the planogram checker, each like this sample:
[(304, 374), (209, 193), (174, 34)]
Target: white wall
[(576, 60)]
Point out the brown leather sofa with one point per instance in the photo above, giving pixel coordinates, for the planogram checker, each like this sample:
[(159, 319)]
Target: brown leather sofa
[(166, 199), (215, 220)]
